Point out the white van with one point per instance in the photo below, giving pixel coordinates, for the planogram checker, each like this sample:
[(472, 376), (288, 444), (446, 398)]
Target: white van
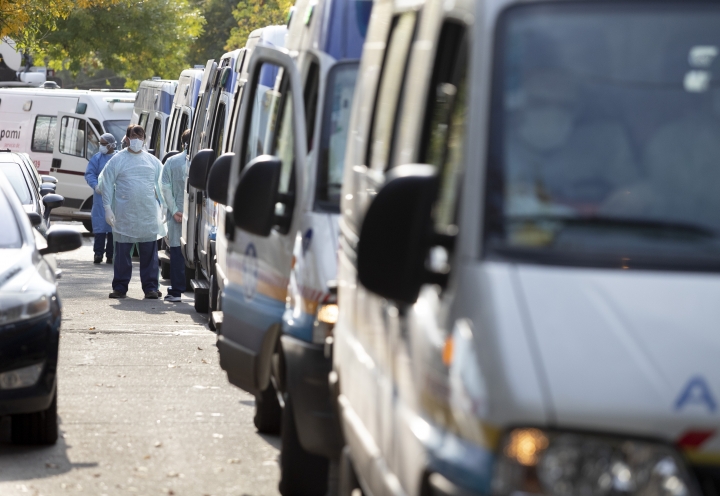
[(29, 120), (183, 106), (152, 109), (528, 267)]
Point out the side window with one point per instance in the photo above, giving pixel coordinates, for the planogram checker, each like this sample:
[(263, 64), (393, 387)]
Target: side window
[(388, 97), (72, 136), (143, 120), (444, 129), (235, 115), (219, 130), (93, 143), (184, 119), (44, 134), (155, 137), (311, 90), (336, 119)]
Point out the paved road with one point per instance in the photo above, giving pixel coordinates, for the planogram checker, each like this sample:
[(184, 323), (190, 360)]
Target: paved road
[(144, 407)]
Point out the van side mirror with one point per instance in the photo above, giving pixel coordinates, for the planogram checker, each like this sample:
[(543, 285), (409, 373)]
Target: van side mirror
[(61, 239), (219, 177), (199, 168), (48, 179), (256, 195), (52, 201), (397, 234), (35, 218), (46, 189), (168, 155)]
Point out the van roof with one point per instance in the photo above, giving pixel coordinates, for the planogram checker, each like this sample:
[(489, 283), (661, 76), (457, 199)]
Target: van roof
[(98, 95)]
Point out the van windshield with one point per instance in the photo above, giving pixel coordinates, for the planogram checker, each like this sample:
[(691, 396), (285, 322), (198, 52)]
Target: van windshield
[(605, 136)]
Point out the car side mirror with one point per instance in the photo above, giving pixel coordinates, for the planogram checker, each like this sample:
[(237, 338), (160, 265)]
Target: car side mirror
[(219, 177), (49, 179), (168, 155), (52, 201), (397, 234), (46, 189), (199, 168), (256, 195), (61, 239), (35, 218)]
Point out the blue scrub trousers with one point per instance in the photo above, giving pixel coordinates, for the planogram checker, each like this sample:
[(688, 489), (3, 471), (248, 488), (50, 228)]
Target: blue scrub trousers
[(148, 266), (99, 247), (177, 272)]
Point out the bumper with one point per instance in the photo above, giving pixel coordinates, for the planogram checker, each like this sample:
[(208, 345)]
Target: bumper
[(250, 331), (23, 344), (307, 372)]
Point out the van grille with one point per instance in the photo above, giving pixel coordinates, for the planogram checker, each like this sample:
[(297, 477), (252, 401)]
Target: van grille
[(709, 479)]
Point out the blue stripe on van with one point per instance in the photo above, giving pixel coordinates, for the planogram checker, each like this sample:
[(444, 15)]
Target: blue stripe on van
[(347, 27)]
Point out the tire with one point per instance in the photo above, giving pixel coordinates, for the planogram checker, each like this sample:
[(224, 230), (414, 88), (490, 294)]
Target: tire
[(347, 479), (189, 276), (87, 224), (301, 473), (268, 413), (39, 428), (202, 301), (214, 294), (165, 270)]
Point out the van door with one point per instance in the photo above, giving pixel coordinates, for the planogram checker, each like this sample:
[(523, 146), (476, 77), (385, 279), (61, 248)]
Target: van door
[(272, 122), (76, 141)]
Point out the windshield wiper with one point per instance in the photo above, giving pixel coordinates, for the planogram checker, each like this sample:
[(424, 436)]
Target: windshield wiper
[(625, 223)]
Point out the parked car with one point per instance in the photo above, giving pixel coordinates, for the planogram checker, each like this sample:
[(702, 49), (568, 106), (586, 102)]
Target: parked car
[(528, 263), (30, 317), (37, 199)]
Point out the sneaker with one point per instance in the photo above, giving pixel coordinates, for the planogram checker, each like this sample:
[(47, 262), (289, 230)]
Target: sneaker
[(173, 298), (98, 259), (108, 261), (117, 295), (153, 295)]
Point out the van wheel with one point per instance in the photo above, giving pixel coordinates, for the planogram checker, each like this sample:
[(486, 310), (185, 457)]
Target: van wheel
[(165, 270), (201, 302), (348, 481), (301, 473), (268, 412), (87, 224), (36, 428), (214, 293)]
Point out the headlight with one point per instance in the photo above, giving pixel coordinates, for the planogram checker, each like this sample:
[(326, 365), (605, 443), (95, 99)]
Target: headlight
[(563, 464), (22, 306), (326, 319), (19, 378)]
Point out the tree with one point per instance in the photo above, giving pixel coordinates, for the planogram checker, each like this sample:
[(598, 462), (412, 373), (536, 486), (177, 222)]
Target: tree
[(26, 21), (218, 23), (254, 14), (134, 39)]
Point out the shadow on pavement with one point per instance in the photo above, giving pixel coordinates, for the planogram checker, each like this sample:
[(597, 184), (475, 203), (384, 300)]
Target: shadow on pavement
[(34, 462)]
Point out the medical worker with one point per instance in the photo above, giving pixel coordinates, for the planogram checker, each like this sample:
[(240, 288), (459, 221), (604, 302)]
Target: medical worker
[(173, 184), (132, 198), (101, 229)]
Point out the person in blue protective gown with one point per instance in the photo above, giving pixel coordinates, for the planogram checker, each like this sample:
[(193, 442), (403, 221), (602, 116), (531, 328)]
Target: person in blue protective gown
[(101, 229), (173, 185), (134, 207)]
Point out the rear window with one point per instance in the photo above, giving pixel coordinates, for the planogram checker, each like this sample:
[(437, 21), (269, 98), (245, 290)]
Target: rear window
[(116, 128), (10, 236), (17, 179)]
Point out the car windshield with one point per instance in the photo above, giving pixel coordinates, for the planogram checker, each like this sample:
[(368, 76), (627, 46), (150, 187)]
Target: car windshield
[(605, 143), (10, 236), (116, 128), (16, 177)]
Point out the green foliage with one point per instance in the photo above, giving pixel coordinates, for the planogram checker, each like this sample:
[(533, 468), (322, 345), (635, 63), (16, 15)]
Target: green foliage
[(218, 23), (253, 14), (134, 39)]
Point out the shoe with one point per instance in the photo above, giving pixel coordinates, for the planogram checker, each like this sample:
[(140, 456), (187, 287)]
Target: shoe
[(173, 298), (108, 261), (153, 295), (117, 295), (98, 259)]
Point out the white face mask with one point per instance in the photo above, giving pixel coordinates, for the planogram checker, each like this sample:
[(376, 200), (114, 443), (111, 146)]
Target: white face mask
[(104, 149), (136, 144), (546, 127)]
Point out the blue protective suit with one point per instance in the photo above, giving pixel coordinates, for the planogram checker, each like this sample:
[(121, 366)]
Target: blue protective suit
[(131, 187), (173, 184), (92, 176)]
